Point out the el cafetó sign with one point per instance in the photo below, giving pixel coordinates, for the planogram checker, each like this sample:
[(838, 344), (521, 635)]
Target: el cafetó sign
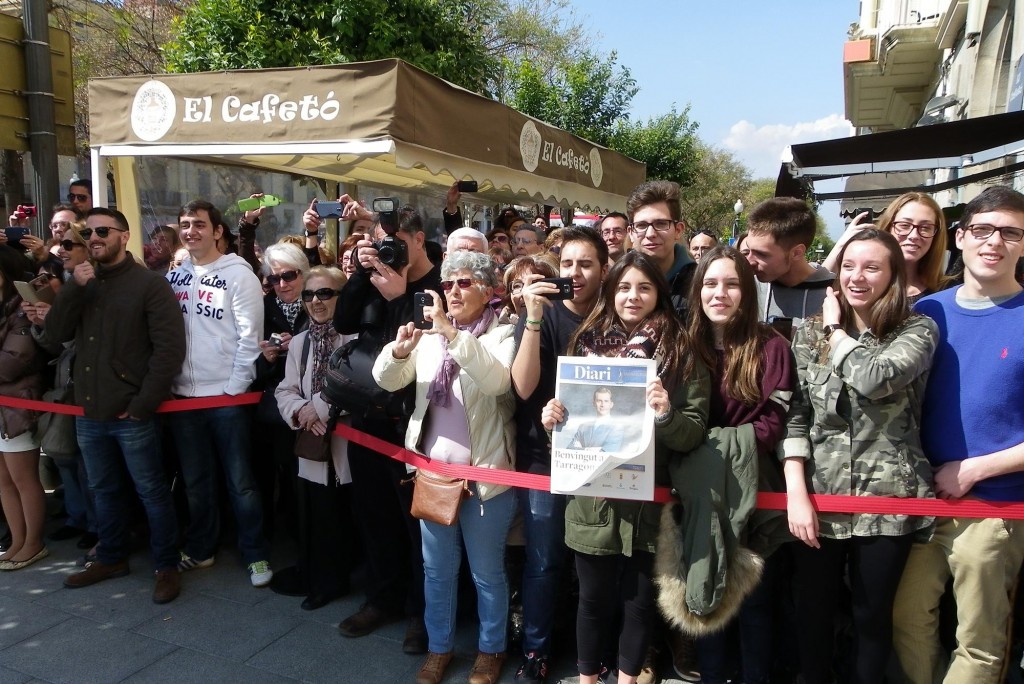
[(302, 110), (155, 110)]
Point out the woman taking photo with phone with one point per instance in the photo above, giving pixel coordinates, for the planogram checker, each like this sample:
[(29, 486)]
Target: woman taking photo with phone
[(461, 364), (751, 384), (614, 540), (917, 223), (862, 367)]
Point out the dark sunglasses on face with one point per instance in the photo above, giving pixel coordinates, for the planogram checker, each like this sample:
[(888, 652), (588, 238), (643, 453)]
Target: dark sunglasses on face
[(72, 196), (286, 276), (463, 283), (102, 231), (324, 294), (68, 245)]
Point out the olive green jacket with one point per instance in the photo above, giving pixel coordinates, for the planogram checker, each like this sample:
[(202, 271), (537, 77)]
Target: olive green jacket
[(604, 527)]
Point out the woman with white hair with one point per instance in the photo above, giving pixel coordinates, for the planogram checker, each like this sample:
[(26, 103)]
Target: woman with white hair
[(286, 268), (462, 369)]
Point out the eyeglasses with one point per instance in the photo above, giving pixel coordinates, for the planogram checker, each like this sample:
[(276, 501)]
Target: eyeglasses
[(500, 237), (517, 286), (463, 283), (59, 225), (903, 229), (525, 241), (286, 276), (101, 231), (324, 294), (660, 225), (72, 196), (68, 245), (983, 231), (609, 232)]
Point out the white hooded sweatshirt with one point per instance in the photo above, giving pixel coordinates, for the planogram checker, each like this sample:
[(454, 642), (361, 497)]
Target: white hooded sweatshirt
[(222, 303)]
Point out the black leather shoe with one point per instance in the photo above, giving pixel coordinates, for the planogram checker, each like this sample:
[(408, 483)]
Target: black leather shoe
[(66, 532), (289, 582), (366, 620), (415, 641), (88, 540), (315, 601)]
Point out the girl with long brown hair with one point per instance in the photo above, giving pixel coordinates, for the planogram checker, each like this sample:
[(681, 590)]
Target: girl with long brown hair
[(751, 384), (615, 540), (862, 367)]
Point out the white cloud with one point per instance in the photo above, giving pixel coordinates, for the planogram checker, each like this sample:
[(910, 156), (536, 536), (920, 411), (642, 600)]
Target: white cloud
[(760, 147)]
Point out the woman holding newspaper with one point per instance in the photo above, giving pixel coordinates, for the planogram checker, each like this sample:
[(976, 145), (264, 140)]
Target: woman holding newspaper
[(461, 364), (614, 540)]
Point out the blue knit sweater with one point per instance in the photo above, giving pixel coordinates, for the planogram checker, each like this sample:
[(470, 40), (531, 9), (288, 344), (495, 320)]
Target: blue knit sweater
[(974, 403)]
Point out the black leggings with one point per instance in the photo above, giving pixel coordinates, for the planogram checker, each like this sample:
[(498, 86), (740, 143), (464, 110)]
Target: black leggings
[(608, 583), (875, 565)]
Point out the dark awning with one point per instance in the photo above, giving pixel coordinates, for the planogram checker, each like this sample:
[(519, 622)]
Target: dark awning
[(914, 149)]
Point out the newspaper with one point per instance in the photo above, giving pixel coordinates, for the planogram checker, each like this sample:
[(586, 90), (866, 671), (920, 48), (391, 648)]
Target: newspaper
[(605, 446)]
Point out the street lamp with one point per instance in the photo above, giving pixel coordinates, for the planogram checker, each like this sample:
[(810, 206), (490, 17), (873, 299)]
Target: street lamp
[(738, 208)]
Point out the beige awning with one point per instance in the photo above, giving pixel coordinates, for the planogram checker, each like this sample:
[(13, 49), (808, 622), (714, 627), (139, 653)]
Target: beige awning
[(386, 123)]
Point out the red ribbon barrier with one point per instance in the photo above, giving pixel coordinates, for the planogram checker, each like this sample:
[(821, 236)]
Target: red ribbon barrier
[(825, 503)]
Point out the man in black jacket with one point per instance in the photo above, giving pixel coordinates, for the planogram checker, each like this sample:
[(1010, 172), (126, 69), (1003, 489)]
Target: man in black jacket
[(130, 342), (375, 302)]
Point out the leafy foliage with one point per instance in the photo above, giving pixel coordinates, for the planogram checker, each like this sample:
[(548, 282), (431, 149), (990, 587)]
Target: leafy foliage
[(719, 181), (587, 96), (668, 144), (440, 36)]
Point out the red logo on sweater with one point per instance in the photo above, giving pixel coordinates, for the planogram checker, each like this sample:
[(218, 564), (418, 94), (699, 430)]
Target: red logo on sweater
[(1004, 354)]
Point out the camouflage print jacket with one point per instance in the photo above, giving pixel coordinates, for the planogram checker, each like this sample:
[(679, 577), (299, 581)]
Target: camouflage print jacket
[(855, 419)]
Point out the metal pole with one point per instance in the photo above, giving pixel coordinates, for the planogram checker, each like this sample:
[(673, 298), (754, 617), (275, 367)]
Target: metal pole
[(39, 96)]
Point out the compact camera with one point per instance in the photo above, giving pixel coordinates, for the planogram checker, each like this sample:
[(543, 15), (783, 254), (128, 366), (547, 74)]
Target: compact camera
[(25, 211)]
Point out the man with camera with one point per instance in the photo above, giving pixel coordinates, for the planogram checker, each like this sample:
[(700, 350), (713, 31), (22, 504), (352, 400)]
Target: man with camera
[(375, 302)]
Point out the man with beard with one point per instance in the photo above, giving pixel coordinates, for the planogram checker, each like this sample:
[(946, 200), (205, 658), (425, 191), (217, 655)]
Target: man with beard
[(130, 341)]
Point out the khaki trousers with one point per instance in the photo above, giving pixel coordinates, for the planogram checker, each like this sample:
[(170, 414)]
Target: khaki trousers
[(983, 555)]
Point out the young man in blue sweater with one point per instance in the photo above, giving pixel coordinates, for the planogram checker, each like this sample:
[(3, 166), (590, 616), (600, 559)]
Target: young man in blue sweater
[(973, 434)]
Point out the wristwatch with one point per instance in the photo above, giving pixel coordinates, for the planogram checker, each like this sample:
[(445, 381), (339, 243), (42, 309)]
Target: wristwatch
[(315, 233), (829, 329)]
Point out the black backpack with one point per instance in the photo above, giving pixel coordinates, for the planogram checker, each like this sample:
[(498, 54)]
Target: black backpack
[(349, 384)]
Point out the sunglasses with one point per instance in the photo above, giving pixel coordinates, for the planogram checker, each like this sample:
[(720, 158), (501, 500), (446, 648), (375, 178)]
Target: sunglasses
[(68, 245), (286, 276), (324, 294), (102, 231), (72, 196), (463, 283)]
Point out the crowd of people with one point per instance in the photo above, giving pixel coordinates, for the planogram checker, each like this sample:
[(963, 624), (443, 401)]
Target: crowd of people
[(873, 374)]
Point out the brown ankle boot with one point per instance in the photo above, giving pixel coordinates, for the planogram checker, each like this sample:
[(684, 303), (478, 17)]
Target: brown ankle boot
[(433, 668), (487, 668)]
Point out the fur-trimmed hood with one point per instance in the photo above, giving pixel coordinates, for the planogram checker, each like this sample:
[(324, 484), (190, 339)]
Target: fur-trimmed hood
[(743, 570)]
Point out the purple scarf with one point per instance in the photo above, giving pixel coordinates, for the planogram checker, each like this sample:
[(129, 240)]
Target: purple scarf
[(440, 390)]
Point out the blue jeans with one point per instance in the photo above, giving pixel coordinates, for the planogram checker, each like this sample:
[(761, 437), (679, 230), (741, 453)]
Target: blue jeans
[(110, 447), (546, 553), (78, 499), (203, 437), (482, 527)]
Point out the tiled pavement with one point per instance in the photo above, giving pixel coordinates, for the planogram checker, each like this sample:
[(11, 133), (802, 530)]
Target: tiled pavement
[(220, 629)]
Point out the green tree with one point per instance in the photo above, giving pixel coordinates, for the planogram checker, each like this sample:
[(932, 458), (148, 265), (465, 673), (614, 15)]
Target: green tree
[(720, 179), (440, 36), (587, 96), (668, 144)]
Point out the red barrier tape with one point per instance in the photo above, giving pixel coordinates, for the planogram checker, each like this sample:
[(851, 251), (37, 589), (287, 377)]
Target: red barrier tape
[(825, 503)]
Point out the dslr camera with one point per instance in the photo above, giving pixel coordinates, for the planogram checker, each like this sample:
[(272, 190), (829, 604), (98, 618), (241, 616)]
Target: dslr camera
[(391, 250)]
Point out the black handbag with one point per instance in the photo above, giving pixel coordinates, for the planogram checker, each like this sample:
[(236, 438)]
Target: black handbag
[(349, 385)]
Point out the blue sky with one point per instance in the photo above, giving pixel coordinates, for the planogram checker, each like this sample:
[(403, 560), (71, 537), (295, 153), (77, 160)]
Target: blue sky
[(757, 75)]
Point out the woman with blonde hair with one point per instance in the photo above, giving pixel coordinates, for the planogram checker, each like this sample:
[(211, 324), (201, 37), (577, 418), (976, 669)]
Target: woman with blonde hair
[(917, 223)]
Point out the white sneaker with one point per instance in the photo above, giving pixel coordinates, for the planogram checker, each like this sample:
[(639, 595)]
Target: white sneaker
[(260, 573)]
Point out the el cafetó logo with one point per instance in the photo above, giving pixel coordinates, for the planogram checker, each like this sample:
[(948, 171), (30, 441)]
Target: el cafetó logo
[(153, 111), (534, 150)]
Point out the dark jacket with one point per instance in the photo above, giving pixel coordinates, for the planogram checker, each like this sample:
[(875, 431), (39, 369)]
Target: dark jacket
[(269, 375), (20, 369), (679, 277), (130, 339)]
